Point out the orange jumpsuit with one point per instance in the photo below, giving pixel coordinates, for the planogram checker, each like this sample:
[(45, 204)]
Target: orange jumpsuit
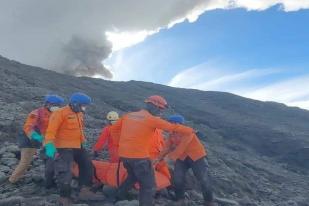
[(182, 146), (65, 128), (112, 144), (37, 121)]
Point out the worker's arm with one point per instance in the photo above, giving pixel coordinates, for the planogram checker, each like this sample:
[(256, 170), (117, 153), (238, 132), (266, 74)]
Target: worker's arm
[(115, 129), (30, 123), (181, 147), (55, 121), (101, 140), (165, 125), (167, 148)]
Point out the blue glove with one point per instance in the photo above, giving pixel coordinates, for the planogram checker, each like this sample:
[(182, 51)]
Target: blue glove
[(50, 150), (36, 136)]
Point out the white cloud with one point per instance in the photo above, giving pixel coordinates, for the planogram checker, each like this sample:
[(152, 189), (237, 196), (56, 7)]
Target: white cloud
[(209, 76), (121, 40), (292, 92), (302, 104), (287, 5), (246, 83), (230, 79)]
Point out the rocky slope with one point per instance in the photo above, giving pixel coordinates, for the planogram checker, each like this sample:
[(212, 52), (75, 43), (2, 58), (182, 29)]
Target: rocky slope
[(258, 151)]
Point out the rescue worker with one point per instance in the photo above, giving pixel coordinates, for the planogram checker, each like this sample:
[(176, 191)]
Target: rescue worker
[(107, 139), (33, 134), (64, 142), (188, 152), (135, 130)]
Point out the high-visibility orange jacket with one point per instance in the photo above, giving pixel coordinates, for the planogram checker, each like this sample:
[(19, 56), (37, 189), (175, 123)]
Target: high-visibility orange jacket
[(66, 128), (183, 146), (135, 130), (37, 121), (112, 144), (156, 144)]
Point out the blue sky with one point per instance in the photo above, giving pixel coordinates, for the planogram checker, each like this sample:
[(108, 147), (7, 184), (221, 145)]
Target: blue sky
[(257, 54)]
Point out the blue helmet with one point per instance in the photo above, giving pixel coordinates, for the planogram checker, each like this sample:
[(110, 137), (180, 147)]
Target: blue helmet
[(176, 118), (80, 98), (53, 99)]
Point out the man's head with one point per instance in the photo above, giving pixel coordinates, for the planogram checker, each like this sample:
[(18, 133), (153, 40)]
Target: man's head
[(53, 102), (79, 101), (176, 119), (155, 104), (112, 117)]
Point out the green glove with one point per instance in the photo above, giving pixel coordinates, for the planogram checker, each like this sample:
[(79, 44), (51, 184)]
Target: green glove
[(36, 136), (84, 145), (50, 150)]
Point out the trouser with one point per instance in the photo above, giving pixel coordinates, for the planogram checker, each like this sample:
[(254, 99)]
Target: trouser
[(139, 170), (63, 164), (49, 172), (200, 171), (24, 163)]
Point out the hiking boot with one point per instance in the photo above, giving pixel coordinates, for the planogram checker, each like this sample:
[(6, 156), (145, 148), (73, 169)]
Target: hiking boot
[(64, 201), (86, 194)]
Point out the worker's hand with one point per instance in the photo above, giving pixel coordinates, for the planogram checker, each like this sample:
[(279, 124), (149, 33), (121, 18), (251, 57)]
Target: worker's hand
[(36, 137), (84, 145), (50, 150)]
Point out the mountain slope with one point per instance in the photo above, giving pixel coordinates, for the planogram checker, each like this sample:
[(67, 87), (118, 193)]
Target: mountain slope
[(258, 151)]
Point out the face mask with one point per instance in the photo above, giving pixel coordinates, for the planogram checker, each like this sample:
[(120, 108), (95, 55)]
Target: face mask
[(53, 108)]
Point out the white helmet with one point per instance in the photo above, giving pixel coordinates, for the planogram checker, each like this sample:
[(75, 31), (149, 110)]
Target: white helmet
[(112, 116)]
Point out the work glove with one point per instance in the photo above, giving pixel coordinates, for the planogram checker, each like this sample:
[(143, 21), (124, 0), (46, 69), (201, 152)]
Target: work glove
[(36, 137), (84, 145), (50, 150)]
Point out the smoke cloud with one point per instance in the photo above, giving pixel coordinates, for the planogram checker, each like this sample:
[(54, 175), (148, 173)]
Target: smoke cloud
[(83, 57), (70, 36)]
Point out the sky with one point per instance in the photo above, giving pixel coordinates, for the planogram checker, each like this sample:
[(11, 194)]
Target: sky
[(262, 55), (253, 48)]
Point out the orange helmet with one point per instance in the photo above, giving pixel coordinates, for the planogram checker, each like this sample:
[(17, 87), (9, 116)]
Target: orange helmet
[(157, 100)]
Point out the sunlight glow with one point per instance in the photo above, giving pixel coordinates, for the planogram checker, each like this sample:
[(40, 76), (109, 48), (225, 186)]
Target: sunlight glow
[(121, 40)]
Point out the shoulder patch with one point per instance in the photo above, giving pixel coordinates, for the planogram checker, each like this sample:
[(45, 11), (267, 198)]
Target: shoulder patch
[(71, 117)]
